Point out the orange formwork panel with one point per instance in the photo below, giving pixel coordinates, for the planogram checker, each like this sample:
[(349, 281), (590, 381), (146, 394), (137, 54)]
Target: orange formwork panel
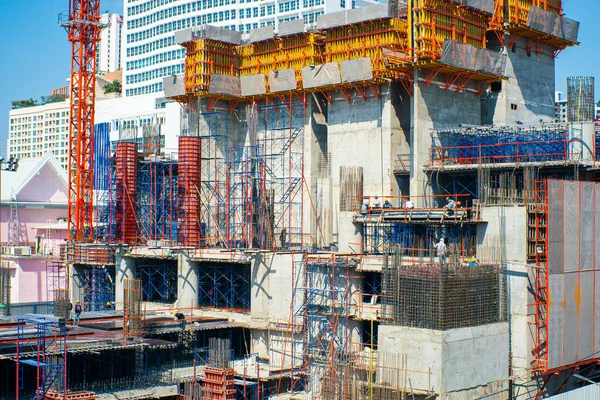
[(189, 186), (437, 20), (126, 174), (205, 57), (218, 384), (367, 39), (54, 395), (517, 11), (292, 51)]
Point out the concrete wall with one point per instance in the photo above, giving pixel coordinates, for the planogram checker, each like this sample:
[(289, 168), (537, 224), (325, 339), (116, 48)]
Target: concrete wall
[(315, 148), (187, 281), (529, 88), (124, 269), (464, 363), (435, 108), (504, 237), (271, 289), (366, 134)]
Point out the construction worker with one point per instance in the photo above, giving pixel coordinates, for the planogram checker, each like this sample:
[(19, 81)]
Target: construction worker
[(178, 315), (473, 261), (440, 247), (364, 210), (109, 305), (376, 202), (77, 315), (282, 239), (450, 206), (465, 262), (387, 204)]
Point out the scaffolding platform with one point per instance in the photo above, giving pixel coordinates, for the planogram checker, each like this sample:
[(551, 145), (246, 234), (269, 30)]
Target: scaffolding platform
[(418, 215)]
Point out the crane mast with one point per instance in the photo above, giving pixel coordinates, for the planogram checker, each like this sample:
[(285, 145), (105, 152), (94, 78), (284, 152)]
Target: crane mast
[(83, 27)]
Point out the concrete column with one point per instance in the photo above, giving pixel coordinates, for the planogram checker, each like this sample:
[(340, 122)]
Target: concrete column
[(315, 148), (527, 96), (260, 289), (77, 273), (124, 269), (584, 140), (187, 281), (370, 134), (435, 108)]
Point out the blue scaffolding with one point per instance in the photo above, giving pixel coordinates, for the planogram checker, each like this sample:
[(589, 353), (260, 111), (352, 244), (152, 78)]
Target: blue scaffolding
[(244, 217), (55, 280), (321, 300), (159, 280), (416, 240), (103, 169), (502, 145), (278, 130), (98, 287), (36, 339), (224, 285), (157, 201), (213, 129)]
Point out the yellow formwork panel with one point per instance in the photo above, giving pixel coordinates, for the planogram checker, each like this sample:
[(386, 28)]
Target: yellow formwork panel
[(367, 39), (294, 51), (205, 57), (437, 20), (518, 10)]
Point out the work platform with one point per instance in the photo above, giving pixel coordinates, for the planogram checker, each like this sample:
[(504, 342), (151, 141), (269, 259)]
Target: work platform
[(418, 215)]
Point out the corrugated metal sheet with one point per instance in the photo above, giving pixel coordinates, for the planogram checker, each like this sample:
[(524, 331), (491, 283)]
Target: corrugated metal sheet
[(586, 392)]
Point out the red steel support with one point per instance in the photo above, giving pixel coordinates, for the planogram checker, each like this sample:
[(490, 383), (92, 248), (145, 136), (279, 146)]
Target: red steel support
[(126, 170), (189, 186), (540, 349), (83, 28), (218, 384)]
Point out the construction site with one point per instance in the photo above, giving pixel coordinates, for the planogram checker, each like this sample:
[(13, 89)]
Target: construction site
[(259, 261)]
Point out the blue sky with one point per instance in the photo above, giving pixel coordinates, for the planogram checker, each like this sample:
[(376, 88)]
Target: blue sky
[(36, 53)]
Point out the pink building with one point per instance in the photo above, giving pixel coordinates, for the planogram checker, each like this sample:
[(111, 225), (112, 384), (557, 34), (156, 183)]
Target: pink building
[(33, 212)]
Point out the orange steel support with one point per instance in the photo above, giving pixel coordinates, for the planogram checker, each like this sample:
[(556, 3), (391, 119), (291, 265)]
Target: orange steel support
[(218, 384), (540, 349), (84, 33), (189, 184), (126, 170)]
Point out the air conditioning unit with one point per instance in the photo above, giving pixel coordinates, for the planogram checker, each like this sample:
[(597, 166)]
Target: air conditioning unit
[(16, 250)]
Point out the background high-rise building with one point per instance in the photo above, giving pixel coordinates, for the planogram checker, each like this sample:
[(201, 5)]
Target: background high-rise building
[(35, 129), (108, 55), (560, 108), (149, 49)]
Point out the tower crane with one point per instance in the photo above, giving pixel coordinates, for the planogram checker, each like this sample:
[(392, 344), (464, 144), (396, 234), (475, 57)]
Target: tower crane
[(83, 27)]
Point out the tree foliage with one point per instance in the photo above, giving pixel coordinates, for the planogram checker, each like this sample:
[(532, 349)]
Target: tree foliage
[(113, 87)]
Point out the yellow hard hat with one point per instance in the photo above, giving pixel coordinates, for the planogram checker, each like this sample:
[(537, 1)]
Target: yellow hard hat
[(175, 312), (77, 301), (387, 199), (108, 303)]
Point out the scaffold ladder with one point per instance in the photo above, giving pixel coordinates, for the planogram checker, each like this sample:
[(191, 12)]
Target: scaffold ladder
[(540, 350)]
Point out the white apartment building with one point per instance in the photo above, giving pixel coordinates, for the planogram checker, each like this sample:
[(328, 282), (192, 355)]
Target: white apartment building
[(32, 131), (108, 53), (149, 49)]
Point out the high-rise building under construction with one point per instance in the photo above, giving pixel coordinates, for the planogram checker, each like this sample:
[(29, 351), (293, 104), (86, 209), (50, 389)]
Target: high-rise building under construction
[(378, 207)]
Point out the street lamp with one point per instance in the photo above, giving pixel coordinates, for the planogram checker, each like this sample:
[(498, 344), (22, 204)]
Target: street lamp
[(10, 165)]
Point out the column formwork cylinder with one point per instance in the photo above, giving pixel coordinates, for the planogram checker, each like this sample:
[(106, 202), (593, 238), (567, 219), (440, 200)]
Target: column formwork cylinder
[(189, 186), (126, 162)]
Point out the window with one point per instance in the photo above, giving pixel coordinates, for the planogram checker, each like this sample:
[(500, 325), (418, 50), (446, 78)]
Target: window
[(513, 107)]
